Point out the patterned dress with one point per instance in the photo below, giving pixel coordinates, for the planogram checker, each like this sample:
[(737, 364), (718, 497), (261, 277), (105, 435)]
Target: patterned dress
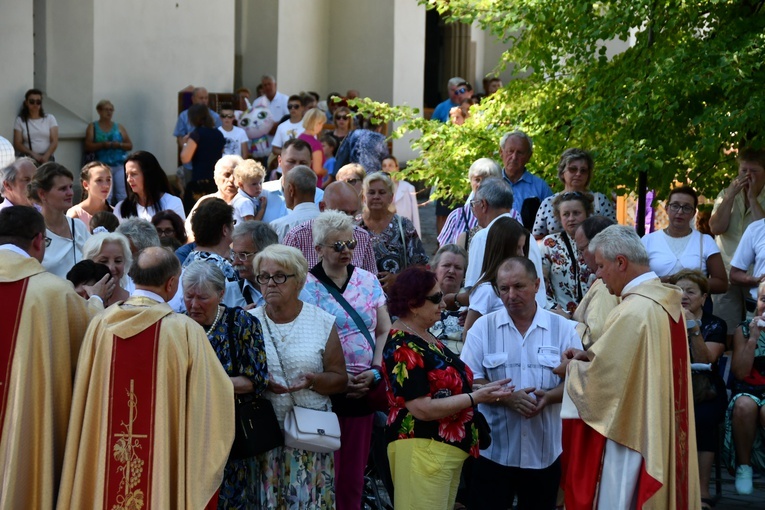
[(223, 264), (416, 368), (236, 490), (395, 252), (567, 279)]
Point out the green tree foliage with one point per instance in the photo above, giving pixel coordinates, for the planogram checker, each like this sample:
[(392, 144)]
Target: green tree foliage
[(689, 87)]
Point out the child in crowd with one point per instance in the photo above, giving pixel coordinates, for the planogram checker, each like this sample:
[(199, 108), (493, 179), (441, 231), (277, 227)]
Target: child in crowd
[(250, 201), (104, 219), (329, 144), (86, 273)]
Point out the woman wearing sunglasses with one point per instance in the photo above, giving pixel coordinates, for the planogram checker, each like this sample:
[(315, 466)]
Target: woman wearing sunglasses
[(431, 426), (356, 300), (35, 133), (343, 120), (680, 247)]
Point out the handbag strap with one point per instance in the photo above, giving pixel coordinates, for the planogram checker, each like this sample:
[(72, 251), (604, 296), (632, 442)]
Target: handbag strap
[(403, 240), (29, 134), (351, 311), (574, 264), (278, 357), (230, 338)]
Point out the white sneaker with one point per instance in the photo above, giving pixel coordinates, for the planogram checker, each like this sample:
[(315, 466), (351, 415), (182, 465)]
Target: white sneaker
[(744, 479)]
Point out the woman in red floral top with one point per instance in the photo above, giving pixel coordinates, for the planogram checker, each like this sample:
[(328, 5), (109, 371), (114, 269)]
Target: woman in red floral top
[(431, 425)]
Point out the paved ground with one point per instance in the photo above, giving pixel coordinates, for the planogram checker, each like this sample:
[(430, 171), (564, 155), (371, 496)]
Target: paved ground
[(729, 499)]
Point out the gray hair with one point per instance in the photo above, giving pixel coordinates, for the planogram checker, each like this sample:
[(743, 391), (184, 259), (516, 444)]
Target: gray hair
[(203, 275), (448, 248), (95, 244), (328, 222), (484, 167), (496, 192), (453, 82), (268, 77), (9, 173), (303, 179), (231, 160), (142, 233), (291, 259), (619, 240), (519, 134), (260, 233)]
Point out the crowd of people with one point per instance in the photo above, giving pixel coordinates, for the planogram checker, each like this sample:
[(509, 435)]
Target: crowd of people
[(188, 307)]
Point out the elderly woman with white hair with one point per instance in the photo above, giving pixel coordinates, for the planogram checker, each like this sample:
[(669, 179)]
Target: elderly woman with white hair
[(461, 220), (306, 365), (237, 339), (224, 181), (356, 300), (113, 251), (575, 170)]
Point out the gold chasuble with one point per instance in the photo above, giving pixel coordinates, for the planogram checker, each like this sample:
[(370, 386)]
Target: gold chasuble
[(42, 324), (635, 391), (592, 312), (152, 416)]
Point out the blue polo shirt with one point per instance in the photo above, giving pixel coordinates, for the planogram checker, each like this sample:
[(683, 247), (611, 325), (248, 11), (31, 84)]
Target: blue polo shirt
[(441, 111), (529, 185)]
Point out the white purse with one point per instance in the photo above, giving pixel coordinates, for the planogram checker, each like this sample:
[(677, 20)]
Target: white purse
[(308, 429)]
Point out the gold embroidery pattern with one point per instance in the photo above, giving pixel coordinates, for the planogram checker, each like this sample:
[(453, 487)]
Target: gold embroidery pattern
[(131, 464)]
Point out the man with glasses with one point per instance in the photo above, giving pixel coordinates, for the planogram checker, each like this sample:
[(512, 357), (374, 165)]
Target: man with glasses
[(459, 89), (524, 342), (250, 237), (44, 324), (339, 196), (290, 128)]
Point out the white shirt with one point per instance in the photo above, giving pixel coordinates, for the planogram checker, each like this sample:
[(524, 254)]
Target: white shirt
[(277, 106), (63, 253), (751, 250), (15, 249), (300, 214), (234, 140), (475, 259), (166, 202), (494, 349), (276, 207), (286, 131), (693, 253), (405, 201)]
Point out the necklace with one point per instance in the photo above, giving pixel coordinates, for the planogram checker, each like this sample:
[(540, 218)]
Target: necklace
[(278, 329), (411, 330), (215, 322)]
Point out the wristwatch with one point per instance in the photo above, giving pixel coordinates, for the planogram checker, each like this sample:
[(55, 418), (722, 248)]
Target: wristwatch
[(694, 333), (692, 324)]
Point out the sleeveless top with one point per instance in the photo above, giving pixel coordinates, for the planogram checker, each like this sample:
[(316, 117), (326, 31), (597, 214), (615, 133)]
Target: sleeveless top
[(301, 350), (112, 157)]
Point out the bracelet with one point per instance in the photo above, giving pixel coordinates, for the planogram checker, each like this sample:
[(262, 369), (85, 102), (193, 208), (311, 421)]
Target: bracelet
[(472, 402)]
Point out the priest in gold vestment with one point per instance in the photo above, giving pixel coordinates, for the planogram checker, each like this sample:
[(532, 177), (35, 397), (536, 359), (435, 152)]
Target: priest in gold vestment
[(629, 436), (41, 329), (153, 410)]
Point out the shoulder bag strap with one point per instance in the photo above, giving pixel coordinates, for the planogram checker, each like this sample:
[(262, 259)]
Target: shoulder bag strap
[(353, 313), (574, 265), (29, 134), (74, 245), (701, 251), (278, 357), (403, 240), (230, 337)]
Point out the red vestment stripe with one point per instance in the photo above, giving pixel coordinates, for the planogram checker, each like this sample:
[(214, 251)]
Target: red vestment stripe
[(581, 463), (131, 420), (12, 300)]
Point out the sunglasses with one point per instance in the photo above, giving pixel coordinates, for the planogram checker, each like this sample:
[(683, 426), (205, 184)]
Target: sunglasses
[(461, 90), (293, 106), (341, 117), (339, 246), (226, 115), (353, 182), (435, 298), (34, 101)]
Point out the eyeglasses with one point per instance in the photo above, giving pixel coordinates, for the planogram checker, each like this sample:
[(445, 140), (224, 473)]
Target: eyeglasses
[(278, 278), (341, 117), (293, 106), (166, 232), (34, 101), (675, 207), (476, 201), (242, 255), (435, 298), (572, 194), (580, 171), (339, 246), (461, 90), (226, 115)]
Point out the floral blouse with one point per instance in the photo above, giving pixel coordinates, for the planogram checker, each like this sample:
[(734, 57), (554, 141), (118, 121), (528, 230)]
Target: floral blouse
[(546, 223), (566, 282), (415, 368), (236, 324), (392, 255)]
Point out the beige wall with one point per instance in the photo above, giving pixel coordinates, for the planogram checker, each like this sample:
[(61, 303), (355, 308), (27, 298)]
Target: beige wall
[(16, 60), (258, 26)]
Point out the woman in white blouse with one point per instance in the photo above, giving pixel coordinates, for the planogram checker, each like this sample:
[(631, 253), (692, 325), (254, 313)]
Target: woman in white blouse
[(35, 133), (575, 170), (148, 191), (681, 247), (65, 237)]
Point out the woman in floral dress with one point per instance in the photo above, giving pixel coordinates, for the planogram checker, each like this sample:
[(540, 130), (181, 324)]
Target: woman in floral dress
[(431, 424)]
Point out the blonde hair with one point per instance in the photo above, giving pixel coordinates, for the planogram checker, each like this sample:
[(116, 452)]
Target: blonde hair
[(313, 117), (248, 169), (378, 176), (291, 259), (350, 169)]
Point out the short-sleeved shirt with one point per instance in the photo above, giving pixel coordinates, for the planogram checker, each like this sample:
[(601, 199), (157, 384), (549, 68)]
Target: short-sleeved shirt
[(484, 300), (210, 143), (546, 223), (233, 140), (39, 129), (751, 250), (287, 131), (364, 293), (245, 205), (415, 368), (740, 218), (529, 185), (663, 260)]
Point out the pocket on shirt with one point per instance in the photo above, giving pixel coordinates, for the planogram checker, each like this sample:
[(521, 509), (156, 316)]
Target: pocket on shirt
[(494, 360), (549, 357)]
